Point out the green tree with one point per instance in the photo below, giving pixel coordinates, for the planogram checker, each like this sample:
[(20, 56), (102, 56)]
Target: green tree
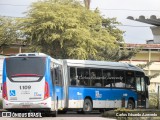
[(110, 26), (66, 29), (8, 32), (142, 66)]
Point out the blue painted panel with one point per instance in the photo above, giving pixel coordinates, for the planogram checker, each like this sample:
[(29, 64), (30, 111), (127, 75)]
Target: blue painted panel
[(100, 93), (4, 74), (48, 76), (53, 89), (59, 92)]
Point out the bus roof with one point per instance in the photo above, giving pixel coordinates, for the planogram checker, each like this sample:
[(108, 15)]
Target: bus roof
[(36, 55), (31, 54), (102, 64)]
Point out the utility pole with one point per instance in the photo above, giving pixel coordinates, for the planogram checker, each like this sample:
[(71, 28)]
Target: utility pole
[(158, 97), (87, 3)]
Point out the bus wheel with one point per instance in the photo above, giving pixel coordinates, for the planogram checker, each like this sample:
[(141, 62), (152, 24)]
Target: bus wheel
[(53, 113), (87, 106), (102, 110), (62, 111), (131, 104)]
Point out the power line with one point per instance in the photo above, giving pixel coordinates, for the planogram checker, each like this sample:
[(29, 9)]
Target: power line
[(114, 25), (125, 9), (12, 5), (131, 26), (112, 9)]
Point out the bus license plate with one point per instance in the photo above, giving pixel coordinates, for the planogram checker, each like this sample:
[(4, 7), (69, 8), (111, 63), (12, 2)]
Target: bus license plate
[(26, 106)]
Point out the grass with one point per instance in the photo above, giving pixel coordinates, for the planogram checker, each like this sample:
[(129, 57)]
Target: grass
[(153, 101)]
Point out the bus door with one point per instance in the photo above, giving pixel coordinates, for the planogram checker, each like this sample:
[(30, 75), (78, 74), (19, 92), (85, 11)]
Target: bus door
[(58, 84), (141, 90)]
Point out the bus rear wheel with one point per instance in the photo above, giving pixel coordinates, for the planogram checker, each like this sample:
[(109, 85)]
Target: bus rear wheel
[(131, 104), (53, 114), (87, 106)]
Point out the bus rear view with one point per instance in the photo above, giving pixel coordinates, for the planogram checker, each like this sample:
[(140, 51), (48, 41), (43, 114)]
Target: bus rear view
[(27, 85)]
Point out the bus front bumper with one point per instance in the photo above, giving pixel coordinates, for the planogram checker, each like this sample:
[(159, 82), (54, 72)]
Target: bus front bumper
[(47, 103)]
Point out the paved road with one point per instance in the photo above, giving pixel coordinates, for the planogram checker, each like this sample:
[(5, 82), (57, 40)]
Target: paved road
[(59, 118), (67, 116)]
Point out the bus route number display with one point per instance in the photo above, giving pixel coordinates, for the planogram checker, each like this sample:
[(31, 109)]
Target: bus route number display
[(26, 87)]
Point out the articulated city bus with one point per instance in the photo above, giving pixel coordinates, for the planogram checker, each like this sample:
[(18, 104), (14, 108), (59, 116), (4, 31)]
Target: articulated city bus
[(28, 83), (104, 85), (37, 82)]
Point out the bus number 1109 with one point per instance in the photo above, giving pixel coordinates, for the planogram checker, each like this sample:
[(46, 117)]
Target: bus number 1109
[(25, 87)]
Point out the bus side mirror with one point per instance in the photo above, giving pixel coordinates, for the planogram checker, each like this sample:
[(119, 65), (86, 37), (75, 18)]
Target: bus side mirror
[(147, 80)]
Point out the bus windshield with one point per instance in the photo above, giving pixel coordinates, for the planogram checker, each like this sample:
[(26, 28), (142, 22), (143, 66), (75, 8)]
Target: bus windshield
[(25, 68)]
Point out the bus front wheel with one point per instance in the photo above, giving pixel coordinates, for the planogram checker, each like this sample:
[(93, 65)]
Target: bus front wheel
[(87, 106), (131, 104)]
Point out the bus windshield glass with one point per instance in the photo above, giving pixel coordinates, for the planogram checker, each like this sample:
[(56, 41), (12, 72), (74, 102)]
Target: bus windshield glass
[(25, 68)]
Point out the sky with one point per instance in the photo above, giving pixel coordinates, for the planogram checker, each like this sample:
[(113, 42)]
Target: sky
[(135, 32)]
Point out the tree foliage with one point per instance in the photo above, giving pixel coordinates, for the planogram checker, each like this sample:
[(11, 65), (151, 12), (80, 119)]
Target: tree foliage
[(8, 32), (142, 66), (66, 29)]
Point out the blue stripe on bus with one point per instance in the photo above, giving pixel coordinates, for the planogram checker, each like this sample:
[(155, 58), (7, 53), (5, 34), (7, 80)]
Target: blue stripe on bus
[(77, 93), (4, 71), (48, 76), (59, 92)]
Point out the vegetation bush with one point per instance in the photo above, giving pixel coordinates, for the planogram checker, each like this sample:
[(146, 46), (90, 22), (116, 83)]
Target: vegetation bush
[(112, 114), (153, 101), (1, 104)]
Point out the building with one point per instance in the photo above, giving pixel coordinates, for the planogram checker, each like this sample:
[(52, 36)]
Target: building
[(14, 49), (150, 52), (153, 20)]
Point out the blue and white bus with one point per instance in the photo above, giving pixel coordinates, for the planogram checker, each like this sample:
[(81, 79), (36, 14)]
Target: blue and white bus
[(104, 85), (37, 82), (28, 83)]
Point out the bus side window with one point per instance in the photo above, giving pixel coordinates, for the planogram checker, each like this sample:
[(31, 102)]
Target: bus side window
[(138, 84), (52, 75), (60, 74), (119, 78), (73, 78), (140, 81), (96, 77), (108, 78), (143, 84), (57, 74), (130, 79), (83, 76)]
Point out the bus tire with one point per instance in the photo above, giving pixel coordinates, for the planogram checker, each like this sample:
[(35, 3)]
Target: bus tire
[(130, 104), (102, 110), (80, 112), (87, 106), (62, 111), (54, 113)]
